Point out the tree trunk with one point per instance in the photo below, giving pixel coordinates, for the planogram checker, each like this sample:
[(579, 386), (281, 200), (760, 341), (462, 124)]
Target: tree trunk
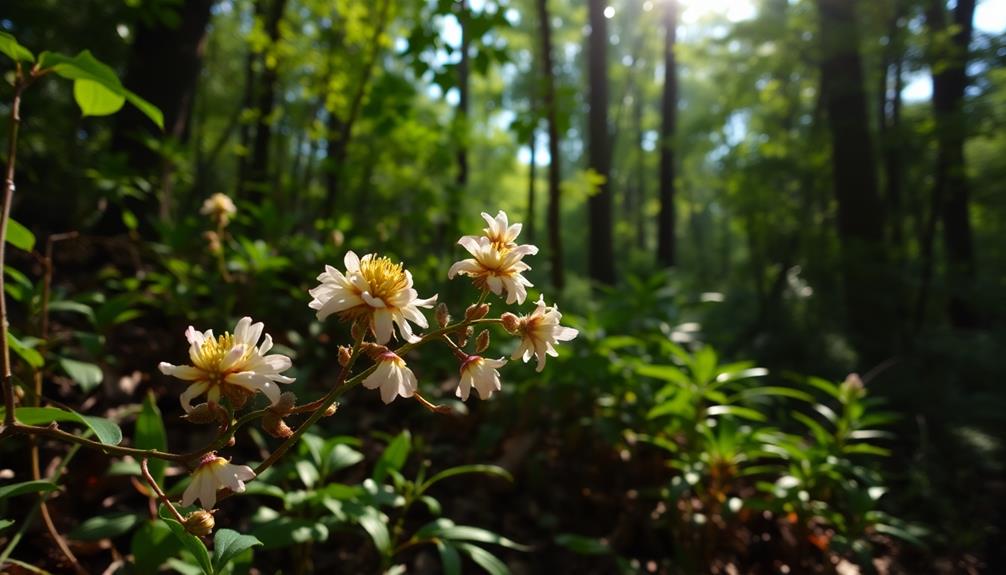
[(163, 68), (601, 260), (950, 201), (258, 171), (890, 123), (532, 174), (246, 133), (666, 247), (461, 118), (340, 132), (860, 209), (554, 177)]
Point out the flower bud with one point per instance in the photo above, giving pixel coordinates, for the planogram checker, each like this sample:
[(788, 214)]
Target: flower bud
[(511, 323), (374, 350), (274, 425), (330, 411), (853, 385), (463, 336), (237, 395), (482, 341), (345, 354), (475, 312), (443, 316), (206, 413), (286, 403), (199, 523)]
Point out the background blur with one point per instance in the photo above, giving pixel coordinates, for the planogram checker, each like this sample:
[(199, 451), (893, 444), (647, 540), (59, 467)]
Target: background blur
[(811, 186)]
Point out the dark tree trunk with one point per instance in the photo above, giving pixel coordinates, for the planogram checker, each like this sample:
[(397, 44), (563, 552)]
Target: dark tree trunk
[(532, 174), (340, 132), (860, 209), (258, 170), (601, 263), (889, 116), (246, 133), (666, 240), (163, 68), (950, 201), (554, 177)]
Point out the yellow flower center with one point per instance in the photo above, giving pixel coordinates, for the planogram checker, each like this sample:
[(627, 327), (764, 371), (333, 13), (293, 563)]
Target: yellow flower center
[(213, 351), (385, 278)]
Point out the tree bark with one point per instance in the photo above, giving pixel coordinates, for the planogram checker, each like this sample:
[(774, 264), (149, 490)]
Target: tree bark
[(461, 118), (601, 261), (889, 116), (532, 173), (950, 196), (258, 170), (163, 68), (554, 176), (246, 133), (860, 209), (666, 241)]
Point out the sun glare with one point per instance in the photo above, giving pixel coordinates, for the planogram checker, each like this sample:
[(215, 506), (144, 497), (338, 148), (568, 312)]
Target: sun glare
[(734, 10)]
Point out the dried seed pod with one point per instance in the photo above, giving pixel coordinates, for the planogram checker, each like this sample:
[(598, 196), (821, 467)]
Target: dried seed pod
[(482, 341), (286, 403), (237, 395), (331, 410), (475, 312), (206, 413), (511, 323), (462, 336), (443, 315), (374, 350), (345, 354), (274, 425)]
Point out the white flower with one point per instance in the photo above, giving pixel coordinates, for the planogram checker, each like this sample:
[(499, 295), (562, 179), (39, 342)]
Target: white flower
[(494, 268), (500, 233), (219, 207), (373, 288), (480, 373), (230, 364), (539, 332), (212, 474), (392, 377)]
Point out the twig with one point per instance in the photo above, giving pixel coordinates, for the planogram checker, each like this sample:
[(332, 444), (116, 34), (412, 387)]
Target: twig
[(160, 494)]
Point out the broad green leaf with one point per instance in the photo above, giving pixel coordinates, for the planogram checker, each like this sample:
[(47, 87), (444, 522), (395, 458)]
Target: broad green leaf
[(19, 236), (704, 365), (342, 456), (95, 99), (735, 375), (149, 110), (466, 469), (9, 46), (105, 526), (87, 375), (394, 456), (106, 431), (228, 544), (582, 545), (5, 523), (375, 524), (26, 487), (29, 355), (153, 544), (285, 531), (665, 372), (446, 529), (773, 391), (150, 434), (484, 559), (450, 559), (193, 544), (307, 472)]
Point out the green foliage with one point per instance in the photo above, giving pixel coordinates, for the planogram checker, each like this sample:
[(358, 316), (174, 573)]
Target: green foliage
[(106, 431)]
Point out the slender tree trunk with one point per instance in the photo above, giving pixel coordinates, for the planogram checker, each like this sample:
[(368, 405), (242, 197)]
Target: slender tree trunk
[(258, 171), (163, 68), (890, 124), (950, 201), (666, 241), (341, 131), (554, 176), (639, 200), (860, 209), (461, 118), (601, 263), (246, 133), (532, 174)]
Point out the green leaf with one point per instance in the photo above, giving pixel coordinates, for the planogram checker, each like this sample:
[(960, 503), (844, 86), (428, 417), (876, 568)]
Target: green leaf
[(73, 307), (342, 456), (5, 523), (582, 545), (704, 365), (466, 469), (105, 526), (484, 559), (736, 411), (29, 355), (394, 456), (84, 66), (153, 544), (106, 431), (9, 46), (284, 531), (19, 236), (665, 372), (446, 529), (193, 544), (450, 559), (87, 375), (26, 487), (375, 524), (774, 391), (150, 434), (307, 472), (95, 99), (228, 544)]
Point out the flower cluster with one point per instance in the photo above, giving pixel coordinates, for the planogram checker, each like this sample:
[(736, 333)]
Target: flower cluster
[(375, 295)]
